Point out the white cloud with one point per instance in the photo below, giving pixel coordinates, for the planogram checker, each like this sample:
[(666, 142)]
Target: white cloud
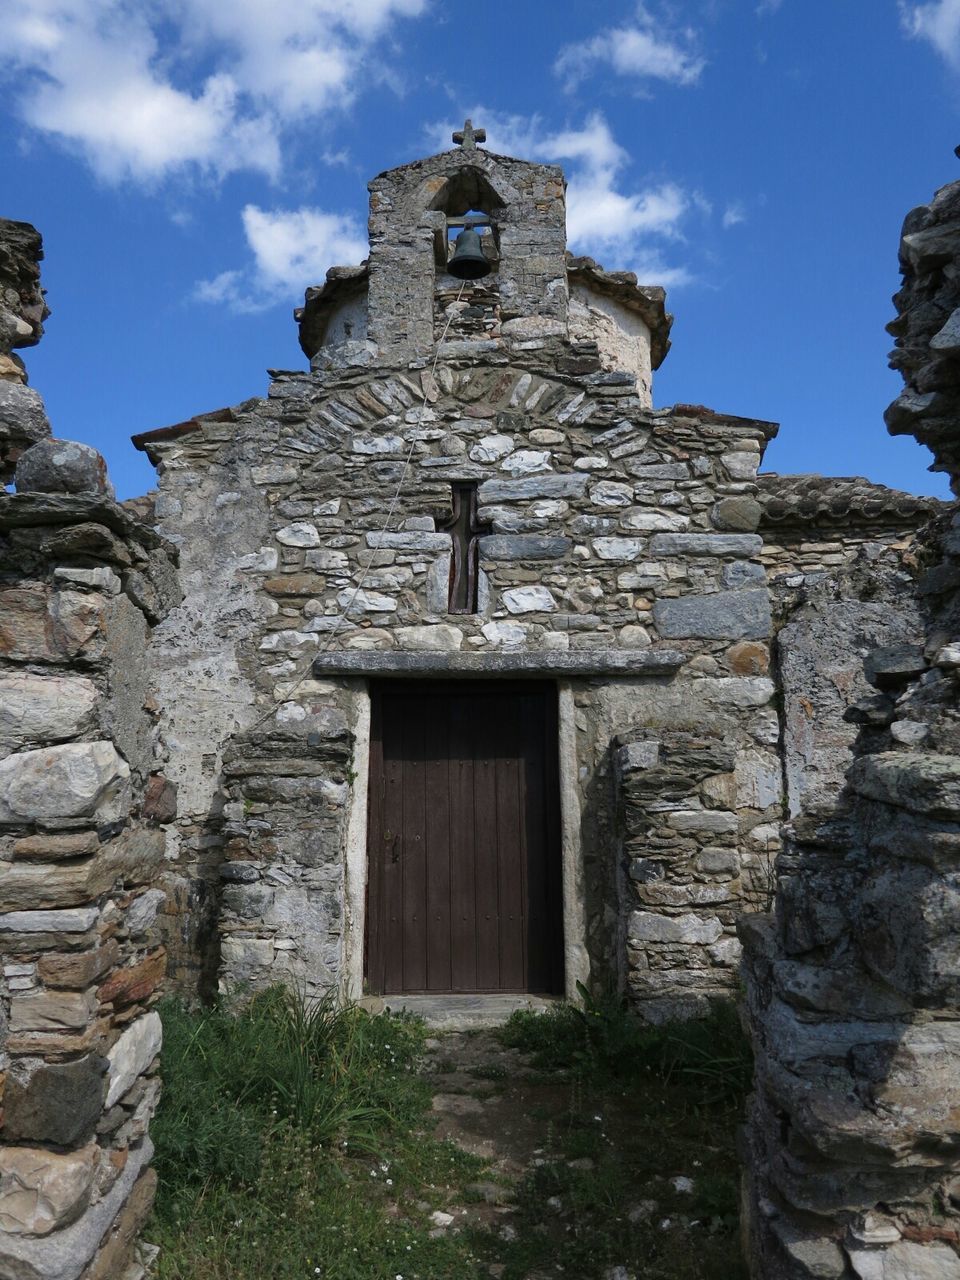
[(291, 249), (768, 6), (143, 90), (938, 22), (733, 215), (646, 50), (628, 227)]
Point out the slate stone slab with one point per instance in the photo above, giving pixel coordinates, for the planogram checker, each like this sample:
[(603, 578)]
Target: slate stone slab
[(543, 486), (59, 1103), (546, 662), (724, 615), (523, 547)]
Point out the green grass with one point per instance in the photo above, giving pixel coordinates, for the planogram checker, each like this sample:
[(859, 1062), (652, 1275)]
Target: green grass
[(287, 1146), (645, 1104), (297, 1143)]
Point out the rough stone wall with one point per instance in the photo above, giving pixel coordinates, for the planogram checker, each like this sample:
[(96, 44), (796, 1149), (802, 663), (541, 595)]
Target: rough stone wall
[(851, 985), (824, 524), (81, 797), (23, 419), (608, 564)]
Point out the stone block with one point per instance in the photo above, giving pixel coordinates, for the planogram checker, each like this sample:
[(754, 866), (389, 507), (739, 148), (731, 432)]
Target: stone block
[(417, 540), (740, 465), (59, 1103), (142, 912), (703, 821), (52, 846), (52, 1010), (724, 615), (648, 926), (299, 534), (743, 545), (618, 548), (529, 600), (160, 799), (77, 969), (354, 602), (925, 784), (67, 1254), (654, 522), (525, 462), (748, 658), (638, 755), (523, 547), (509, 635), (540, 486), (906, 1261), (492, 448), (889, 666), (134, 983), (62, 466), (905, 925), (328, 561), (78, 920), (132, 1054), (611, 494), (23, 418), (133, 856), (41, 1191), (816, 1256), (659, 470), (41, 626), (100, 579), (742, 573), (741, 513), (439, 638), (42, 709), (57, 785)]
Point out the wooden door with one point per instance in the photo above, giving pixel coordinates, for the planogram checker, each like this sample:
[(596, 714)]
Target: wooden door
[(464, 887)]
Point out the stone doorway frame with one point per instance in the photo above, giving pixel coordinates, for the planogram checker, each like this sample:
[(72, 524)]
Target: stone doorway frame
[(576, 961)]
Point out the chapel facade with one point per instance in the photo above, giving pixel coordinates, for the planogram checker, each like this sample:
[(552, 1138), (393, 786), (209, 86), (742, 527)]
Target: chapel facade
[(455, 600)]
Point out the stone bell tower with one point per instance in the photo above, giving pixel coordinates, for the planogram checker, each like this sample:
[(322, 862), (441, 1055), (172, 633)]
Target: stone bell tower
[(396, 307)]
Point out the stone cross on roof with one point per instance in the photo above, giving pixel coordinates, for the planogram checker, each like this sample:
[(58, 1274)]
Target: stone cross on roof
[(468, 137)]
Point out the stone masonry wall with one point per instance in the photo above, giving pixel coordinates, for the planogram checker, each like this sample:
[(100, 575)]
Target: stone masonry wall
[(609, 564), (23, 419), (81, 797), (851, 985)]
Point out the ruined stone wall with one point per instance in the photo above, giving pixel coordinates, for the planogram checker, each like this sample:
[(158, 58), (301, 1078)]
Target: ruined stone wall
[(23, 419), (608, 566), (815, 525), (81, 797), (851, 984)]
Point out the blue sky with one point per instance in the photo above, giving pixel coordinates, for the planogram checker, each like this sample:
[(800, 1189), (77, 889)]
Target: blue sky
[(194, 164)]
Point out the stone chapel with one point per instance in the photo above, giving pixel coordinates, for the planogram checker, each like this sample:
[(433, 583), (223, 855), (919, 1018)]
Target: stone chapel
[(452, 667)]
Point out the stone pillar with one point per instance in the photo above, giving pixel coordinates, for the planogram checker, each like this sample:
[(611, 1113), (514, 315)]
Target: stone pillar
[(852, 990), (80, 799)]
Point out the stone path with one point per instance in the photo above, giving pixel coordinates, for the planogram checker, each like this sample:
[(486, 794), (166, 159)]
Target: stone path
[(492, 1103), (591, 1178), (486, 1097)]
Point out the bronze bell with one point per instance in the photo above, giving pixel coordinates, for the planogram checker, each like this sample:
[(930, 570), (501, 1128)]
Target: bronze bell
[(469, 262)]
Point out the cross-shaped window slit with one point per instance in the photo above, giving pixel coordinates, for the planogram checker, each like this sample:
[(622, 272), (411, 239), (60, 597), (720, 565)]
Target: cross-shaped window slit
[(465, 531)]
